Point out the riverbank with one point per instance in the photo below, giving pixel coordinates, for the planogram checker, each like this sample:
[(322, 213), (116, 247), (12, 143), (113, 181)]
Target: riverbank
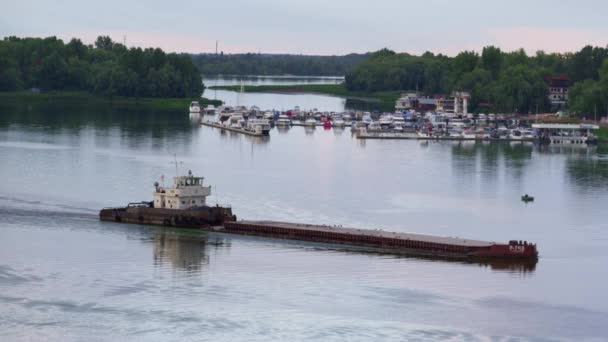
[(386, 98), (119, 101)]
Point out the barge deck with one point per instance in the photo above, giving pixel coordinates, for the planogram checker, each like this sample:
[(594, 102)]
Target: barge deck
[(402, 243)]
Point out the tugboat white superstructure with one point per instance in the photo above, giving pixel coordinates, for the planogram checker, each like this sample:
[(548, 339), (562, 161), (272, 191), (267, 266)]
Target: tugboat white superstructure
[(187, 192)]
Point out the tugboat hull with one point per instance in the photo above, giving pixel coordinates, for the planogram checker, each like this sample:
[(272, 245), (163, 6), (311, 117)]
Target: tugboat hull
[(190, 218)]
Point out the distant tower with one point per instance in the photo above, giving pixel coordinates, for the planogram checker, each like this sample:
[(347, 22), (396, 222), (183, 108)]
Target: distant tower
[(216, 42), (124, 40)]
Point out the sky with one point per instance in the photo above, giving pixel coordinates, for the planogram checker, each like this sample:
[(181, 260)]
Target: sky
[(324, 27)]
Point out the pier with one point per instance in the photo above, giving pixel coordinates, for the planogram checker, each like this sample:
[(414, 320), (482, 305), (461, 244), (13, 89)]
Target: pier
[(231, 129), (415, 136)]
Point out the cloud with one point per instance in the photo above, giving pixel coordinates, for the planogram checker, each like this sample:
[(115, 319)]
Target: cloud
[(533, 39)]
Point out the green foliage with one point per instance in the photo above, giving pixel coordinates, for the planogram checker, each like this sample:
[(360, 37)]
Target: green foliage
[(269, 64), (510, 81), (108, 68)]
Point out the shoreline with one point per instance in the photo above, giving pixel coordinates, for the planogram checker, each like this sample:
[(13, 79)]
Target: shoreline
[(83, 96)]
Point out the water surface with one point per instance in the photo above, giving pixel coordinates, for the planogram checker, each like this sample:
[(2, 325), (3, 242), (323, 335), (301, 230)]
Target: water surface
[(66, 276)]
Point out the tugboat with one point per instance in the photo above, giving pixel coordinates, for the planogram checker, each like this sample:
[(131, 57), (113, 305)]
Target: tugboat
[(183, 205)]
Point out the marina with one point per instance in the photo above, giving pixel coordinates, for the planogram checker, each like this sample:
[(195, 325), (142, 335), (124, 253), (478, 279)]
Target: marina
[(408, 125)]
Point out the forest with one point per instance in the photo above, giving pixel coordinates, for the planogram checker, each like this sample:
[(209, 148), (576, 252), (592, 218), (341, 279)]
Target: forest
[(274, 64), (503, 81), (106, 68)]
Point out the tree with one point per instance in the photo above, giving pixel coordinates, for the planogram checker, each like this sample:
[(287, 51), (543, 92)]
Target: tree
[(53, 72), (491, 60), (104, 43)]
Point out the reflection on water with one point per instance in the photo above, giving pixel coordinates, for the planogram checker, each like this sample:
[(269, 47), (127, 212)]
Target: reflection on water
[(182, 250)]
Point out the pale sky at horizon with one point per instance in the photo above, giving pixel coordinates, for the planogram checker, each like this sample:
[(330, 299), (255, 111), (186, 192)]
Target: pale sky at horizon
[(316, 26)]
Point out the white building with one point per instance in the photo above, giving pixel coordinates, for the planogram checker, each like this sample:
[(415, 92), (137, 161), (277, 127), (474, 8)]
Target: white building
[(406, 102), (187, 192)]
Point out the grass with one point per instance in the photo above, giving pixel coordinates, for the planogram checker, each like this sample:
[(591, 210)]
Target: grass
[(386, 97), (81, 96)]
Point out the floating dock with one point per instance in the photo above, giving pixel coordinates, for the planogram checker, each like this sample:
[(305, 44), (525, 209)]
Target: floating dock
[(415, 136), (231, 129)]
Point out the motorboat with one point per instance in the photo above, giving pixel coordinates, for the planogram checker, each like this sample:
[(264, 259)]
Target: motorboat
[(259, 126), (338, 122), (209, 110), (195, 108), (310, 122), (283, 121)]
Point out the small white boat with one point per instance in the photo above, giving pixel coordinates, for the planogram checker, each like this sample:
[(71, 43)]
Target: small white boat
[(385, 121), (283, 121), (259, 126), (338, 122), (209, 110), (374, 127), (310, 122), (195, 108)]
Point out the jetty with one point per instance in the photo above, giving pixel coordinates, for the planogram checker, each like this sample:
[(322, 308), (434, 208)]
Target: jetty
[(415, 136), (231, 129)]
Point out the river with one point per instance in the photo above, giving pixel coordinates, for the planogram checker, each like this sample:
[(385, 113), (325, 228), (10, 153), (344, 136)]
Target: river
[(282, 102), (66, 276)]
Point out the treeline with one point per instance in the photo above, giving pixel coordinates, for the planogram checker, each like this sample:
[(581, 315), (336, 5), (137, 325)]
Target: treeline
[(269, 64), (507, 81), (106, 68)]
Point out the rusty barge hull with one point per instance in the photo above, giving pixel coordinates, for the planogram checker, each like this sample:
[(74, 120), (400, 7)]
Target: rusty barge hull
[(401, 243)]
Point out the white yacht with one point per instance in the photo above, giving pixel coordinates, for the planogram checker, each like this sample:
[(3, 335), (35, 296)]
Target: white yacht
[(338, 122), (283, 121), (195, 108), (210, 110), (225, 113), (259, 126), (235, 121), (374, 127), (385, 121), (310, 122)]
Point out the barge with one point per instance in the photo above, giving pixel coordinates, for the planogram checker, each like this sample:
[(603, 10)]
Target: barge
[(184, 205)]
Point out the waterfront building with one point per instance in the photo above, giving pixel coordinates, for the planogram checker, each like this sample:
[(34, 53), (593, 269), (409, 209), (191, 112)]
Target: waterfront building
[(412, 101), (457, 103), (558, 91)]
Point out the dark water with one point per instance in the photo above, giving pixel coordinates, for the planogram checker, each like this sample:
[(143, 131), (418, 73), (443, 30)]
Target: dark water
[(66, 276)]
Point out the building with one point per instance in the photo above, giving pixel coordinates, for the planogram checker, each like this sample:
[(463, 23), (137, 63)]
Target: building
[(406, 102), (411, 101), (457, 103), (558, 91)]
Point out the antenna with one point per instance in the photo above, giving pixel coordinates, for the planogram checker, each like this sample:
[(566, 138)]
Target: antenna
[(216, 42), (124, 40), (176, 164)]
